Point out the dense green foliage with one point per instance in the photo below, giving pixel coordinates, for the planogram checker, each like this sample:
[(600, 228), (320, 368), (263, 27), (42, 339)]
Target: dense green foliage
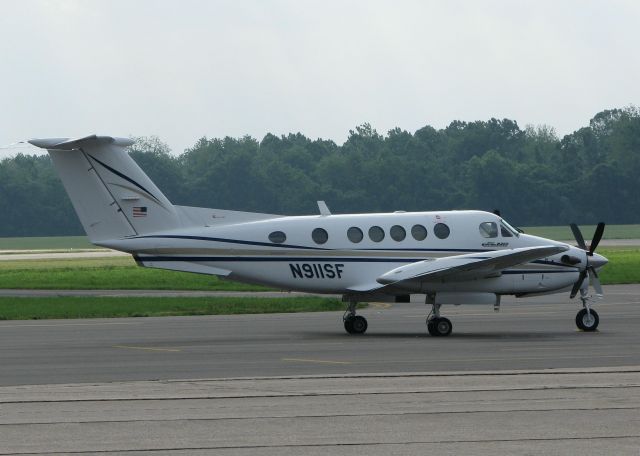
[(531, 175)]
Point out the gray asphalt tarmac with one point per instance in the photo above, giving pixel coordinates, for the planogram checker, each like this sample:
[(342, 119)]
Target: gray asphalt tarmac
[(543, 413), (523, 381), (527, 333)]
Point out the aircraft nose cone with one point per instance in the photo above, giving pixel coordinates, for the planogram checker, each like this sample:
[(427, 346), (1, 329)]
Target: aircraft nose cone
[(597, 261)]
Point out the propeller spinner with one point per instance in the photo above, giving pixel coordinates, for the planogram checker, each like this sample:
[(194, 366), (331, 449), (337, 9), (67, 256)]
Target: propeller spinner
[(594, 262)]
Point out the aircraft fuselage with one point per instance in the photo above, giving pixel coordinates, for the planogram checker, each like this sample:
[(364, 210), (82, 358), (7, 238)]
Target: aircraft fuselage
[(334, 262)]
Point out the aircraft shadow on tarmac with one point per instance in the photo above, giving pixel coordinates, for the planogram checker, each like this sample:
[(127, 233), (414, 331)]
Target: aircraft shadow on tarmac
[(508, 335)]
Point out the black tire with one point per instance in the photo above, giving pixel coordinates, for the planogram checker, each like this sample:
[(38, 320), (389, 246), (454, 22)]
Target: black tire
[(443, 327), (431, 327), (348, 324), (439, 327), (359, 325), (585, 323)]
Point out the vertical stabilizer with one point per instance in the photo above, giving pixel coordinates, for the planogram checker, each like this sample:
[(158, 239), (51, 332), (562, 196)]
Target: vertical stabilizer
[(112, 196)]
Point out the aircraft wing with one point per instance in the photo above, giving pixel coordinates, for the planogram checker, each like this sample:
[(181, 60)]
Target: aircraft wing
[(466, 267)]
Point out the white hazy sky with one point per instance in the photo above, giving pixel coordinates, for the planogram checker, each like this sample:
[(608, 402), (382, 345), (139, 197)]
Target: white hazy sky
[(186, 69)]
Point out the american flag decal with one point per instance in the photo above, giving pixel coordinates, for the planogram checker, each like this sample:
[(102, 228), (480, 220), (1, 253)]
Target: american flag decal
[(140, 211)]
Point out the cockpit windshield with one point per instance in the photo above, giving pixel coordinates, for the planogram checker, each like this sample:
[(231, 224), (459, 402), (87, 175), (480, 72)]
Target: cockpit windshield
[(507, 230)]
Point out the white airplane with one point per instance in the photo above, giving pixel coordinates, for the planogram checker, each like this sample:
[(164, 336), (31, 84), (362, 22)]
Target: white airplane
[(453, 257)]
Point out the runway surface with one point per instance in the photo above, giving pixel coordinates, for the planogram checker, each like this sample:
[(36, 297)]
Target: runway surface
[(297, 384), (527, 333), (560, 412)]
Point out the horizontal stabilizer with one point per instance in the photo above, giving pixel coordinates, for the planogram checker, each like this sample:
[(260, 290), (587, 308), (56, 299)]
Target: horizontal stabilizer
[(87, 141), (185, 266)]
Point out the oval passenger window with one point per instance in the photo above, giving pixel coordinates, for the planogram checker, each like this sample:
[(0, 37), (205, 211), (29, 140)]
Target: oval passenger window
[(397, 233), (376, 233), (418, 232), (319, 235), (355, 234), (277, 237), (441, 230)]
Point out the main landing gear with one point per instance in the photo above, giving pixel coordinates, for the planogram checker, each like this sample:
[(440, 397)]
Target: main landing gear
[(354, 324), (436, 325)]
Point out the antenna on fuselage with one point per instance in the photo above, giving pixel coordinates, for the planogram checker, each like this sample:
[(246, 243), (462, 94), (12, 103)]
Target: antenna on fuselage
[(324, 210)]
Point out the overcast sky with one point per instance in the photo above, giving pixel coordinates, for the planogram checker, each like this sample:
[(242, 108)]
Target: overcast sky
[(186, 69)]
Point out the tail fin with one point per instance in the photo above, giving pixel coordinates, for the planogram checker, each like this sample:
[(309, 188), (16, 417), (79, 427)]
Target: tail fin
[(112, 196)]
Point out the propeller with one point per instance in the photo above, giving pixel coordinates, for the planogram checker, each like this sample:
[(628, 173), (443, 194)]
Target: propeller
[(593, 261)]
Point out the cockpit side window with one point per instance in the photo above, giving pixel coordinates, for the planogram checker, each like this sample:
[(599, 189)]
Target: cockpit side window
[(505, 232), (488, 229), (506, 228)]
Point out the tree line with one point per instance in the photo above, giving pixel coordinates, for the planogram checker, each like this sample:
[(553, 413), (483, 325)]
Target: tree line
[(531, 175)]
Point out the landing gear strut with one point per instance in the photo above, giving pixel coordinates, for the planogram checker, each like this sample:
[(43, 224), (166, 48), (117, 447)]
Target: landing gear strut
[(436, 325), (587, 319), (354, 324)]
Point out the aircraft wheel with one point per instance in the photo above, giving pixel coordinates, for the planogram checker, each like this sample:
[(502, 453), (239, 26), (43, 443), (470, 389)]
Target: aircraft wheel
[(439, 327), (359, 325), (348, 324), (587, 322), (431, 327), (356, 324)]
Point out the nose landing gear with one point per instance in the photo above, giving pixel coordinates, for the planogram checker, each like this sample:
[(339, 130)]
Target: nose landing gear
[(587, 319)]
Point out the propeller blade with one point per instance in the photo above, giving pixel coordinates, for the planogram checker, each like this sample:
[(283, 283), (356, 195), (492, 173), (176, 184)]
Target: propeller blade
[(596, 237), (596, 285), (578, 284), (595, 281), (584, 288), (578, 235)]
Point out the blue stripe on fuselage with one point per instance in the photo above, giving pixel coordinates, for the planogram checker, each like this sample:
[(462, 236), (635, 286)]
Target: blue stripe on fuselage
[(318, 260), (291, 246)]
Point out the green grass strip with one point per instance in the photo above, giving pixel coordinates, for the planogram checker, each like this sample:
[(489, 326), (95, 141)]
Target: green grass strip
[(45, 243), (623, 267), (563, 233), (113, 273), (110, 307)]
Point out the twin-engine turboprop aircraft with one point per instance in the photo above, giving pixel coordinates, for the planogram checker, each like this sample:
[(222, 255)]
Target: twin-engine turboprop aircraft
[(453, 257)]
